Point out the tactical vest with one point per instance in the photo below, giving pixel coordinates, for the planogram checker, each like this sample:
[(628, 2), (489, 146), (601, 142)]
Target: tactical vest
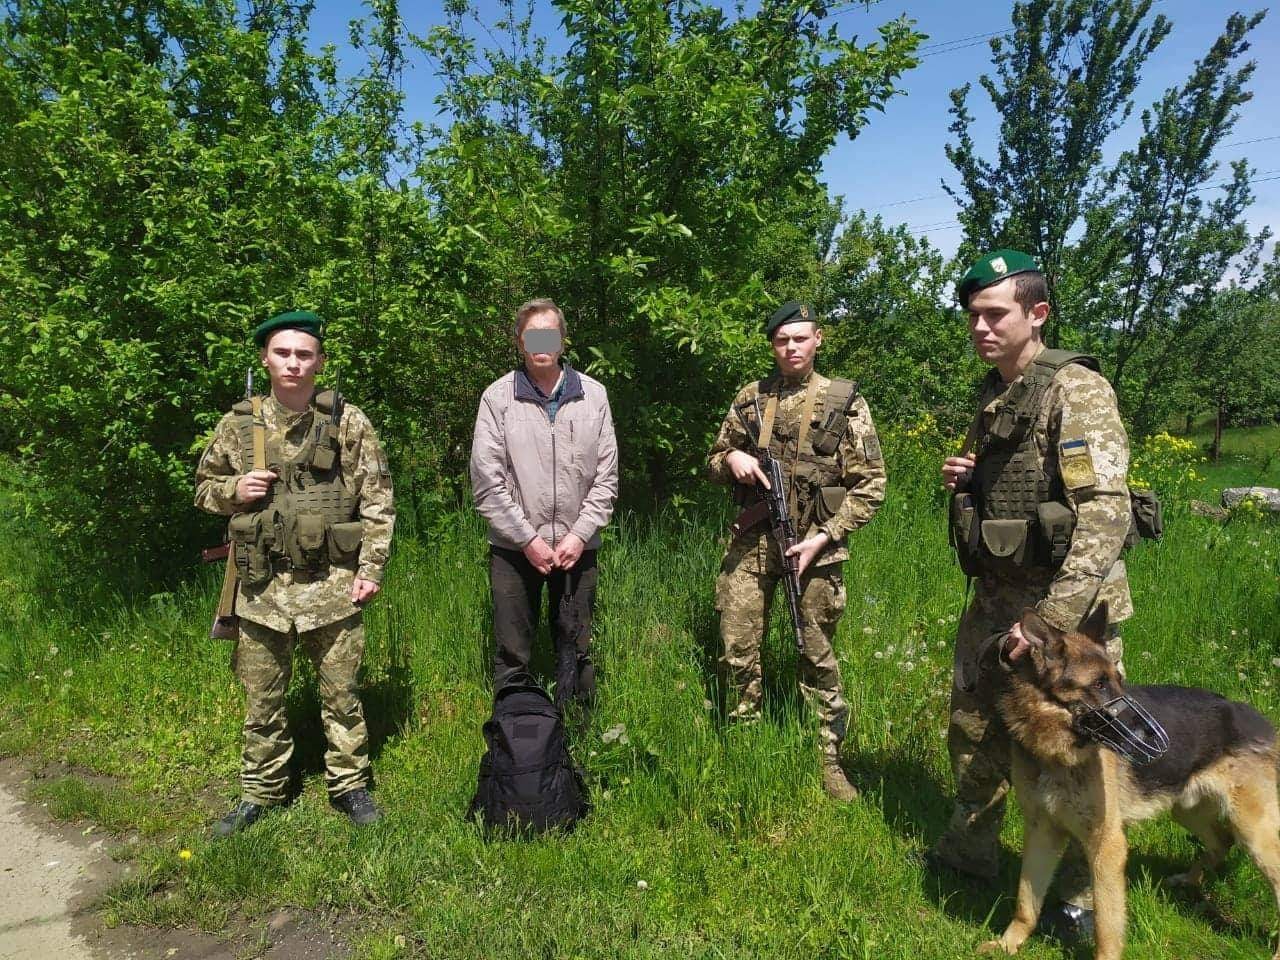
[(1013, 513), (810, 466), (308, 519)]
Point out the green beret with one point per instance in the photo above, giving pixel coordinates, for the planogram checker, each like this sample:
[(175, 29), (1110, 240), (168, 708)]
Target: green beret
[(991, 269), (790, 311), (303, 320)]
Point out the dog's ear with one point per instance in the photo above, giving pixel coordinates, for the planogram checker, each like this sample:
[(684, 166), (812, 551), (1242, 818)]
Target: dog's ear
[(1094, 626), (1044, 638)]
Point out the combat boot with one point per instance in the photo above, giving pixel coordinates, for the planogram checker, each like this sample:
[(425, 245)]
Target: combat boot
[(1069, 924), (359, 806), (243, 814), (836, 782)]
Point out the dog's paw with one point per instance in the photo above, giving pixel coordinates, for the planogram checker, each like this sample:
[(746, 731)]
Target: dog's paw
[(992, 946)]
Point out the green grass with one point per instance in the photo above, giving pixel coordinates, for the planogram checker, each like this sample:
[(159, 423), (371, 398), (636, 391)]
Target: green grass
[(740, 853), (1249, 458)]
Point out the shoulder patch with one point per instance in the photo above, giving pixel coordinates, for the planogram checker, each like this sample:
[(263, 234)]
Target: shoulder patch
[(871, 447), (1075, 464)]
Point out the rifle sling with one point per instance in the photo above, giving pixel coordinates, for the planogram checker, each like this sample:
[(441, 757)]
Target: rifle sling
[(259, 436)]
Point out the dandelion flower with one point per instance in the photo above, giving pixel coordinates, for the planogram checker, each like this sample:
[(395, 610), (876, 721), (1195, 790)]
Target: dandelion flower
[(184, 854)]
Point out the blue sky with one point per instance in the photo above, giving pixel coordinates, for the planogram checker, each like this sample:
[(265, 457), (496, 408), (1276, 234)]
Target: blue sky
[(898, 158)]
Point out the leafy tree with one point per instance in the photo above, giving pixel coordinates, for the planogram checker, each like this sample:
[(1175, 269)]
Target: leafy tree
[(886, 292), (1063, 84), (173, 171), (1134, 252)]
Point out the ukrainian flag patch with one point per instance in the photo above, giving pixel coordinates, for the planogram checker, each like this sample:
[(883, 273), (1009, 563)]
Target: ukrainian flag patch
[(1075, 464)]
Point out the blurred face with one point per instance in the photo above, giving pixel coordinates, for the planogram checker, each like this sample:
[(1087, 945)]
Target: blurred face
[(794, 347), (292, 358), (1000, 328), (539, 358)]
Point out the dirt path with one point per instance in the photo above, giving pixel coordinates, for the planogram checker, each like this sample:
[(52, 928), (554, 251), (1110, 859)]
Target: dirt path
[(52, 877)]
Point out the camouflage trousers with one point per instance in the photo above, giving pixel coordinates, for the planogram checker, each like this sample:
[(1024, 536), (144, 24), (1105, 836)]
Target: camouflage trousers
[(263, 662), (980, 758), (744, 599)]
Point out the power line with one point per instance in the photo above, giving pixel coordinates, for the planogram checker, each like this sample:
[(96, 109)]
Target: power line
[(943, 225), (903, 203), (1241, 143)]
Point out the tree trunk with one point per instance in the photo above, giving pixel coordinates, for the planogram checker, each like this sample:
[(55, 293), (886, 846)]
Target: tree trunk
[(1216, 451)]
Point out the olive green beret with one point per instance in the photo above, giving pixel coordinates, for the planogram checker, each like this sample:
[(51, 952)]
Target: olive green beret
[(991, 269), (303, 320), (789, 312)]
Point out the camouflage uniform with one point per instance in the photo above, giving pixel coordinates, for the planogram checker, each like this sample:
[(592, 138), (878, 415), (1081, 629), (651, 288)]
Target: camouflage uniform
[(313, 609), (1079, 405), (751, 568)]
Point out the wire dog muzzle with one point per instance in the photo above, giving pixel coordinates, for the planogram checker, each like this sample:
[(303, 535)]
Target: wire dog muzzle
[(1127, 727)]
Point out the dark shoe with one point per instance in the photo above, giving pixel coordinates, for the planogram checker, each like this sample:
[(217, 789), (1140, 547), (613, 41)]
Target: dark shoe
[(359, 806), (1067, 923), (243, 814), (836, 782)]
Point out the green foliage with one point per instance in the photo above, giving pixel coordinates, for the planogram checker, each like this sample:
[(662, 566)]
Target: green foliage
[(885, 289), (172, 173)]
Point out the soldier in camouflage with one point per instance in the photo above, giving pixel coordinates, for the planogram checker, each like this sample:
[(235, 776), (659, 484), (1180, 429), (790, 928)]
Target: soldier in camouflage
[(306, 484), (820, 431), (1040, 514)]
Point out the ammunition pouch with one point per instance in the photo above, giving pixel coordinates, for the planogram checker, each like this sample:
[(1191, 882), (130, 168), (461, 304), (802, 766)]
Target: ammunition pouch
[(344, 542), (252, 538), (826, 441), (1147, 517), (827, 502), (1057, 523), (964, 532), (306, 540), (1008, 541)]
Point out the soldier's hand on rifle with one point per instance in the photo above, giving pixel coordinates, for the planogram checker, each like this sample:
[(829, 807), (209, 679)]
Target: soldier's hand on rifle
[(254, 485), (746, 469), (806, 550), (363, 590), (538, 553), (954, 469), (568, 552)]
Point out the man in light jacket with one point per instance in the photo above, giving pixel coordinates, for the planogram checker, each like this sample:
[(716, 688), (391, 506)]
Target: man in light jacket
[(544, 474)]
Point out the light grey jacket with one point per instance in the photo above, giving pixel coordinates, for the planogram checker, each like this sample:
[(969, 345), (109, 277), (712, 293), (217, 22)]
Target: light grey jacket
[(531, 477)]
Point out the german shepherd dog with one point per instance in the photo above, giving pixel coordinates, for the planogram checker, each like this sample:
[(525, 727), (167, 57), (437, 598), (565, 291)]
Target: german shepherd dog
[(1091, 755)]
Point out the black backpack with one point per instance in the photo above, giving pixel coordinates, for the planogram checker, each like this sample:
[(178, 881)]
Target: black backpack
[(527, 782)]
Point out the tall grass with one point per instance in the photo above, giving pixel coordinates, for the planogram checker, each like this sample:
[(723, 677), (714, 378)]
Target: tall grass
[(706, 840)]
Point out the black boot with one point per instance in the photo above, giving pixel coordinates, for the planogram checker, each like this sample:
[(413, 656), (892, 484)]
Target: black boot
[(243, 814), (359, 806), (1067, 923)]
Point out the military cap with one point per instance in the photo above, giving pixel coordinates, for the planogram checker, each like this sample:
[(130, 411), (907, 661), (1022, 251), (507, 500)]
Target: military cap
[(991, 269), (789, 312), (303, 320)]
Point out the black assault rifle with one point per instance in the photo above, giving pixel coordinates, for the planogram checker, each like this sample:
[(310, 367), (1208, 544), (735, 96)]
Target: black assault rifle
[(773, 505)]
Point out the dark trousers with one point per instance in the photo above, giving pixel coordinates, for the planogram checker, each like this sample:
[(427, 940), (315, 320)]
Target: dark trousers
[(516, 588)]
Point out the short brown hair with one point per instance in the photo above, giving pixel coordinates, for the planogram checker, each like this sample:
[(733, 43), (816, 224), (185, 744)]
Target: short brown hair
[(1029, 289), (541, 305)]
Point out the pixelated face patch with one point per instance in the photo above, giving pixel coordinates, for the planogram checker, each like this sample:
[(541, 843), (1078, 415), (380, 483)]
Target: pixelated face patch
[(1075, 464)]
